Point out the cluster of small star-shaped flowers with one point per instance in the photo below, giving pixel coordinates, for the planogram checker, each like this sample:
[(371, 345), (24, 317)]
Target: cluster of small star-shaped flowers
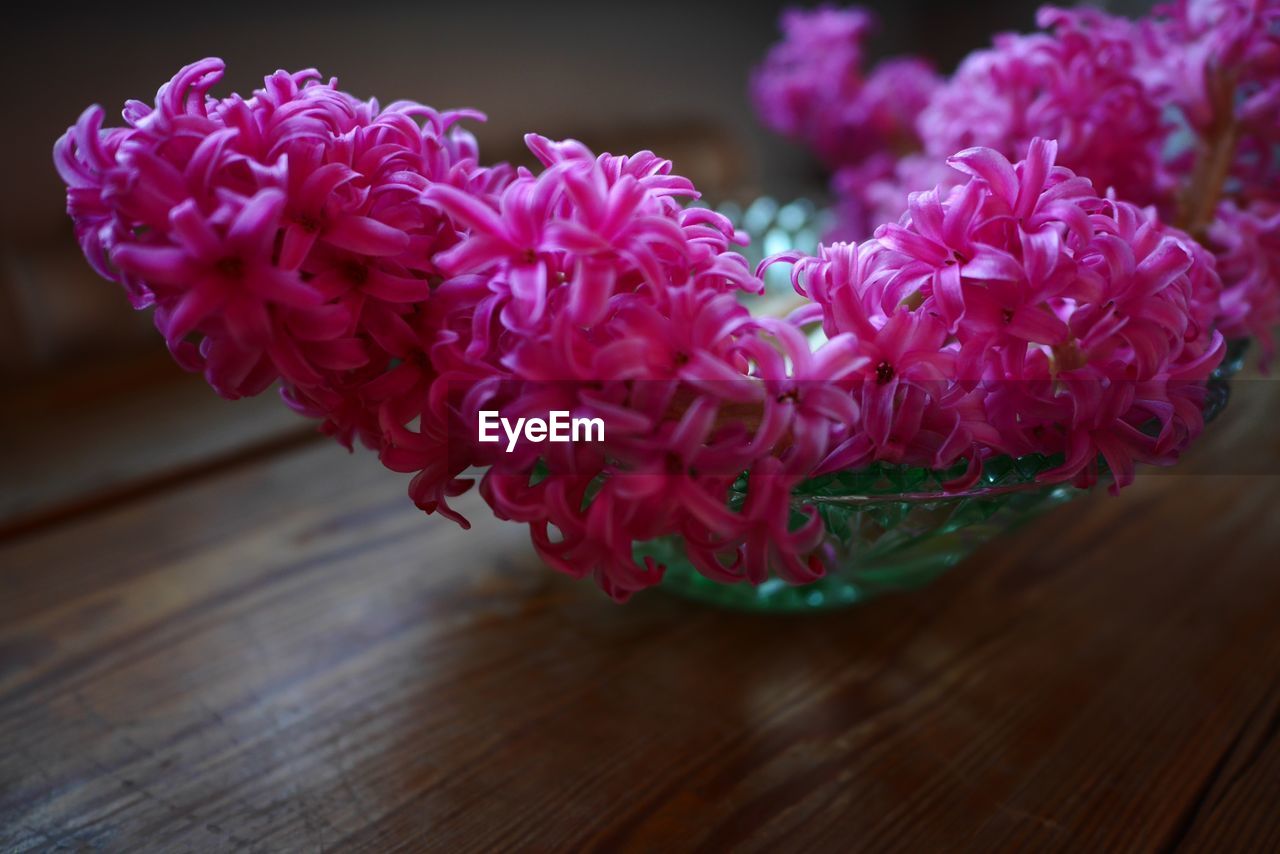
[(1217, 62), (1078, 83), (1217, 66), (590, 288), (280, 237), (362, 259), (1180, 110), (1021, 313), (813, 87)]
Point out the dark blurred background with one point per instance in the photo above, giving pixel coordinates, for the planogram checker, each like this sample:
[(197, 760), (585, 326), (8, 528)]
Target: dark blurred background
[(669, 75)]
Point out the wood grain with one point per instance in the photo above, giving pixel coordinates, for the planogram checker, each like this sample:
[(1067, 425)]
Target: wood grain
[(285, 655), (93, 435)]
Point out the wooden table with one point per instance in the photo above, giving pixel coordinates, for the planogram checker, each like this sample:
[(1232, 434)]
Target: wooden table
[(275, 651)]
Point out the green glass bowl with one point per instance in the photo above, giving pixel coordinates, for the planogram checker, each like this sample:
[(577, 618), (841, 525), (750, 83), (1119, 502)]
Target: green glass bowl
[(894, 528), (890, 528)]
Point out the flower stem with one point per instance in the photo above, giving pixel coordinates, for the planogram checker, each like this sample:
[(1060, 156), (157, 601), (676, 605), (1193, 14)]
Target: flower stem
[(1218, 148)]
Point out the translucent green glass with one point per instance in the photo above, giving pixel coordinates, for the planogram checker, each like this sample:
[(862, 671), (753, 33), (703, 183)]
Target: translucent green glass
[(891, 528)]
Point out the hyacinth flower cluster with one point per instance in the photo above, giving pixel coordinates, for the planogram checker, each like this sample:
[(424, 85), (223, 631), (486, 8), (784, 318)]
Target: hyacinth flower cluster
[(812, 87), (1021, 314), (279, 238), (1180, 110), (394, 288)]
